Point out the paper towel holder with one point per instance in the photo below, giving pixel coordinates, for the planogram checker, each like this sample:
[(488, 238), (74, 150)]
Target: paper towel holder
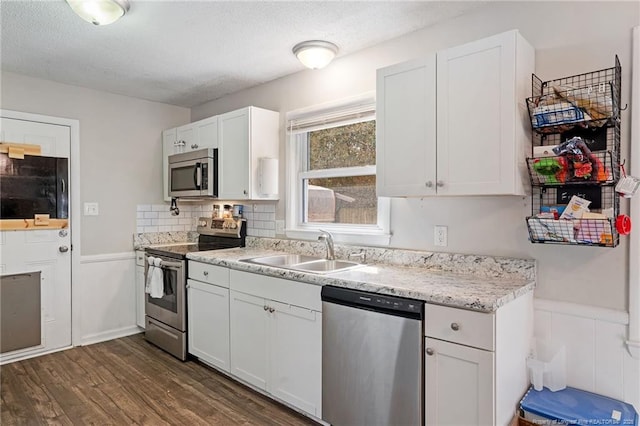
[(268, 176)]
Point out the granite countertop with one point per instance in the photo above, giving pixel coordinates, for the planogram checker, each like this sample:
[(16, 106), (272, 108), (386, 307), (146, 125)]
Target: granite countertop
[(477, 291)]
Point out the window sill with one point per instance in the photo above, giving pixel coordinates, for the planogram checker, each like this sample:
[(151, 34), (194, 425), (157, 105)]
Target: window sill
[(370, 238)]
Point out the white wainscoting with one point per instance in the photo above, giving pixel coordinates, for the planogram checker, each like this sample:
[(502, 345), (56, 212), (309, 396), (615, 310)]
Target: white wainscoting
[(597, 356), (107, 297)]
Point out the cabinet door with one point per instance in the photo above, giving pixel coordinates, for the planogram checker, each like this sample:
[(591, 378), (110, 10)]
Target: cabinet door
[(233, 162), (207, 134), (169, 138), (406, 128), (209, 323), (186, 137), (140, 296), (476, 117), (296, 356), (248, 334), (459, 384)]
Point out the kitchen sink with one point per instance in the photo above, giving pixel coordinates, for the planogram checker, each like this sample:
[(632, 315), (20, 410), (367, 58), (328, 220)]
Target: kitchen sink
[(303, 263), (325, 266)]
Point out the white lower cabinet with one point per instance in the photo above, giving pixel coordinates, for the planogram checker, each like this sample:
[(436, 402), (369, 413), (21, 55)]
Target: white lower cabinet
[(208, 314), (475, 363), (459, 384), (140, 284), (276, 340)]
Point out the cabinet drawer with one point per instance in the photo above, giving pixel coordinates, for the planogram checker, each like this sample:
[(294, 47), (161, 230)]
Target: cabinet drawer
[(460, 326), (277, 289), (211, 274), (140, 257)]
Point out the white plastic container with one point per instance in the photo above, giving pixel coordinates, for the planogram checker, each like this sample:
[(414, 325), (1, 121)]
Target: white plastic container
[(548, 367)]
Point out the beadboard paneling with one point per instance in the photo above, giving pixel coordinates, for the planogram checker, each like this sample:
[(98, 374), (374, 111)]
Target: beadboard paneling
[(597, 357), (107, 294)]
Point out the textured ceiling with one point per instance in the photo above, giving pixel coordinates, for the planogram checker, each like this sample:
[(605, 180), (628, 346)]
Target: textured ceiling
[(189, 52)]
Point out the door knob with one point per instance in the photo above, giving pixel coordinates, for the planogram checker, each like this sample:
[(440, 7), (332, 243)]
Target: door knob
[(455, 326), (63, 249), (440, 183), (428, 184), (430, 351), (63, 233)]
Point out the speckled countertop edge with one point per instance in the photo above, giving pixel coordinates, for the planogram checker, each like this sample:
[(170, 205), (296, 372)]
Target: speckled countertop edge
[(474, 292)]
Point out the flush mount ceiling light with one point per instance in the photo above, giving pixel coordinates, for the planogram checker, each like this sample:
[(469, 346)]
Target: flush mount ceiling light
[(99, 12), (315, 54)]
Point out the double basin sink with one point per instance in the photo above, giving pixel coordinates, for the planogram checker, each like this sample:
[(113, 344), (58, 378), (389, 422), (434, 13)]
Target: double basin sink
[(303, 263)]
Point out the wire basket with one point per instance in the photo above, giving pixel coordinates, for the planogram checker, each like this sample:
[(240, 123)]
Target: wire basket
[(590, 100), (572, 169), (588, 232)]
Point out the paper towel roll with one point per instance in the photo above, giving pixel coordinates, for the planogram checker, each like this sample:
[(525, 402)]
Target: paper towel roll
[(268, 176)]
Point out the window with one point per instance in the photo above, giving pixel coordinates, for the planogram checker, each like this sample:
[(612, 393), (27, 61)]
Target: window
[(332, 173)]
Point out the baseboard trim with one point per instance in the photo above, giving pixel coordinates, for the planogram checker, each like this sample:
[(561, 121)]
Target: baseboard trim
[(109, 335)]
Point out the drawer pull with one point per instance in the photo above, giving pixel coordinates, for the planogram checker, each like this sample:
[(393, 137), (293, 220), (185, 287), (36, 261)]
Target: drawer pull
[(206, 273), (430, 351), (265, 307), (455, 326), (271, 310)]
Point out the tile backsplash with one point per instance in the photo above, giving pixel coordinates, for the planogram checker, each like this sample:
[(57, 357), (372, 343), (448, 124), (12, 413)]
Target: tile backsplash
[(261, 218)]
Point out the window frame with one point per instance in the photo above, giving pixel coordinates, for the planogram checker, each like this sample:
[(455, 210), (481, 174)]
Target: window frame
[(297, 160)]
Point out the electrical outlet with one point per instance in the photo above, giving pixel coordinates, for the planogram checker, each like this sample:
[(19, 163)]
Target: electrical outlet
[(91, 209), (440, 236)]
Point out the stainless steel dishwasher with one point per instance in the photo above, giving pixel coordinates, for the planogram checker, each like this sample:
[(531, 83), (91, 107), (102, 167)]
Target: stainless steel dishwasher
[(372, 358)]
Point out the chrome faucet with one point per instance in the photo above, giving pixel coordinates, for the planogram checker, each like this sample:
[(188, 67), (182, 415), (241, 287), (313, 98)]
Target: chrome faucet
[(327, 238)]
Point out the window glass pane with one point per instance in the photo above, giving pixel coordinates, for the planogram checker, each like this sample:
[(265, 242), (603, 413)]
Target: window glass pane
[(345, 146), (341, 200)]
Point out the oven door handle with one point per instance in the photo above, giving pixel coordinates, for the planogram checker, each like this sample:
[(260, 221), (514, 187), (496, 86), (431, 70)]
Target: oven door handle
[(171, 265), (168, 264)]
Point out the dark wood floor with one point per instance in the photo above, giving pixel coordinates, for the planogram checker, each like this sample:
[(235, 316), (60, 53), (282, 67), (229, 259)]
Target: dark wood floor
[(128, 381)]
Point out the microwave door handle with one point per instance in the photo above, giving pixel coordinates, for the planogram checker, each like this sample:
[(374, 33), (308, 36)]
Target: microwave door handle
[(197, 176), (64, 187)]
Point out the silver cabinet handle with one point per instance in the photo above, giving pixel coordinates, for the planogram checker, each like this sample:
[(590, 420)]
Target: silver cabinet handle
[(271, 310), (430, 351), (439, 184), (455, 326), (206, 273), (63, 249), (429, 184), (245, 192), (63, 233), (265, 307), (194, 145)]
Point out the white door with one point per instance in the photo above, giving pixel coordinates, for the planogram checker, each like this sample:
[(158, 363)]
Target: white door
[(248, 335), (46, 250), (406, 128), (209, 323), (296, 356), (476, 117), (233, 161), (459, 385)]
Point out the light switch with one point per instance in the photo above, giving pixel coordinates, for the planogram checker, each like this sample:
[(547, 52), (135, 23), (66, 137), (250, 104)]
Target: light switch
[(91, 209)]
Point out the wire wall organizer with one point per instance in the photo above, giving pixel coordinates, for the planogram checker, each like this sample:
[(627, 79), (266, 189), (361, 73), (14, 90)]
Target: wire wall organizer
[(575, 152)]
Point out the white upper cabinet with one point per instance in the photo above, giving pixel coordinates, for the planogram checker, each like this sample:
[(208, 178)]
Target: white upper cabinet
[(190, 137), (406, 128), (242, 138), (481, 124), (245, 136)]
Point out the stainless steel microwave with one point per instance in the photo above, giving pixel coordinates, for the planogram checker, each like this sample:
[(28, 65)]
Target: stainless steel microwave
[(194, 174)]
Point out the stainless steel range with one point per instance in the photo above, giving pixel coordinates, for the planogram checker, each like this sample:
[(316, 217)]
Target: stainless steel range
[(166, 316)]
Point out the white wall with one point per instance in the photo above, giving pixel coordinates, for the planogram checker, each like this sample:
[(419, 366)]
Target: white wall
[(570, 38), (120, 151)]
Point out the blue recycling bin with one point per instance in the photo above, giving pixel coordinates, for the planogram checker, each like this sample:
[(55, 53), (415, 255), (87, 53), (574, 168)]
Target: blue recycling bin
[(572, 406)]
